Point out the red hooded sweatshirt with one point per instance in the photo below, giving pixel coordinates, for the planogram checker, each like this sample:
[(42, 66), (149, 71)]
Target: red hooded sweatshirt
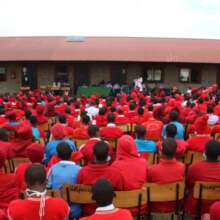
[(132, 168)]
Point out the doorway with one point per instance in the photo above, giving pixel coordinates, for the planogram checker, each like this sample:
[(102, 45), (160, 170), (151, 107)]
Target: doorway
[(118, 74), (81, 75), (29, 76)]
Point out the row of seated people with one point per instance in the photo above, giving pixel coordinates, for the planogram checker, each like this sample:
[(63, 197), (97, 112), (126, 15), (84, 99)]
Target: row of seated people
[(126, 172), (24, 134)]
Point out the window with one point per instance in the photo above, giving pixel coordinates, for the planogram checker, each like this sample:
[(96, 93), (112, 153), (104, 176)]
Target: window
[(154, 75), (188, 75), (184, 75), (62, 75), (2, 74)]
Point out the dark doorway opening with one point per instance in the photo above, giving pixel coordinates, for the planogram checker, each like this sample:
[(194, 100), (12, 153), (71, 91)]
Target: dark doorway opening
[(118, 74), (29, 76), (81, 75)]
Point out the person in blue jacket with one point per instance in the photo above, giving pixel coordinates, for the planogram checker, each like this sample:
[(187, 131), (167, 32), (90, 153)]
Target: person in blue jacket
[(65, 171), (143, 145), (58, 135)]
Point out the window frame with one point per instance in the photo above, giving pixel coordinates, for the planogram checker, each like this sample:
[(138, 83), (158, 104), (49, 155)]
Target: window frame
[(56, 71), (154, 68), (5, 74), (190, 74)]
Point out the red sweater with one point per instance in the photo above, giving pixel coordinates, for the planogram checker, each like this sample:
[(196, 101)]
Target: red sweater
[(167, 171), (115, 214), (197, 143), (87, 150), (19, 175), (215, 211), (88, 175), (8, 190), (111, 132), (55, 209), (201, 171)]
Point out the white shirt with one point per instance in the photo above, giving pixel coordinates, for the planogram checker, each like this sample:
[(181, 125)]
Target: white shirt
[(213, 119), (92, 111), (106, 208)]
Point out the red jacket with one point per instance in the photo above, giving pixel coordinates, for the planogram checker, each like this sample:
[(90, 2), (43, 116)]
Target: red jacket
[(153, 128), (8, 190), (114, 214), (167, 171), (201, 171), (87, 150), (121, 119), (101, 120), (181, 147), (197, 143), (55, 209), (111, 132), (132, 168), (215, 211), (19, 175), (81, 132), (88, 175)]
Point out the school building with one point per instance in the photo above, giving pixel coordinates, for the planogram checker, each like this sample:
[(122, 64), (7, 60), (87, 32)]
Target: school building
[(74, 61)]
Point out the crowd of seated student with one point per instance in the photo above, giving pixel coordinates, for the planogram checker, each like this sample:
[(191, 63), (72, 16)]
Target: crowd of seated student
[(167, 125)]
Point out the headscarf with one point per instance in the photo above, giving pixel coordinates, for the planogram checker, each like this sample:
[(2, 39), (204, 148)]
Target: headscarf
[(58, 131), (126, 148), (35, 152), (201, 125)]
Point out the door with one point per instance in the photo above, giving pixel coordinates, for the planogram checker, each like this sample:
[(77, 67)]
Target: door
[(29, 76), (81, 75), (118, 74)]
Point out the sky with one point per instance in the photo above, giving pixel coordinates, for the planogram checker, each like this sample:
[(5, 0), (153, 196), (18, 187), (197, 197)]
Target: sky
[(132, 18)]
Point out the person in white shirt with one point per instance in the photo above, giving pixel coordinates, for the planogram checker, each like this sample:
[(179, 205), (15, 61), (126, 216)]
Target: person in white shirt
[(92, 110), (213, 119)]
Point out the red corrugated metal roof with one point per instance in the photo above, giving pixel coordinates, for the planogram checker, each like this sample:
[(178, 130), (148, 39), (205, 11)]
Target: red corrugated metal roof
[(109, 49)]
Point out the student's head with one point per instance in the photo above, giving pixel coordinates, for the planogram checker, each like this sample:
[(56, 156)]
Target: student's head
[(174, 115), (85, 119), (35, 177), (93, 131), (113, 109), (169, 148), (64, 151), (3, 134), (35, 152), (200, 101), (132, 106), (171, 130), (150, 108), (209, 109), (142, 102), (27, 114), (140, 111), (102, 111), (58, 131), (68, 111), (111, 118), (62, 119), (100, 151), (103, 192), (140, 131), (212, 150), (33, 120)]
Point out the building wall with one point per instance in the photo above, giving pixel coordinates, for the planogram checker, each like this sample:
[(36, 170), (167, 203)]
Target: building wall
[(101, 71), (133, 71), (45, 73), (12, 84), (171, 73)]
